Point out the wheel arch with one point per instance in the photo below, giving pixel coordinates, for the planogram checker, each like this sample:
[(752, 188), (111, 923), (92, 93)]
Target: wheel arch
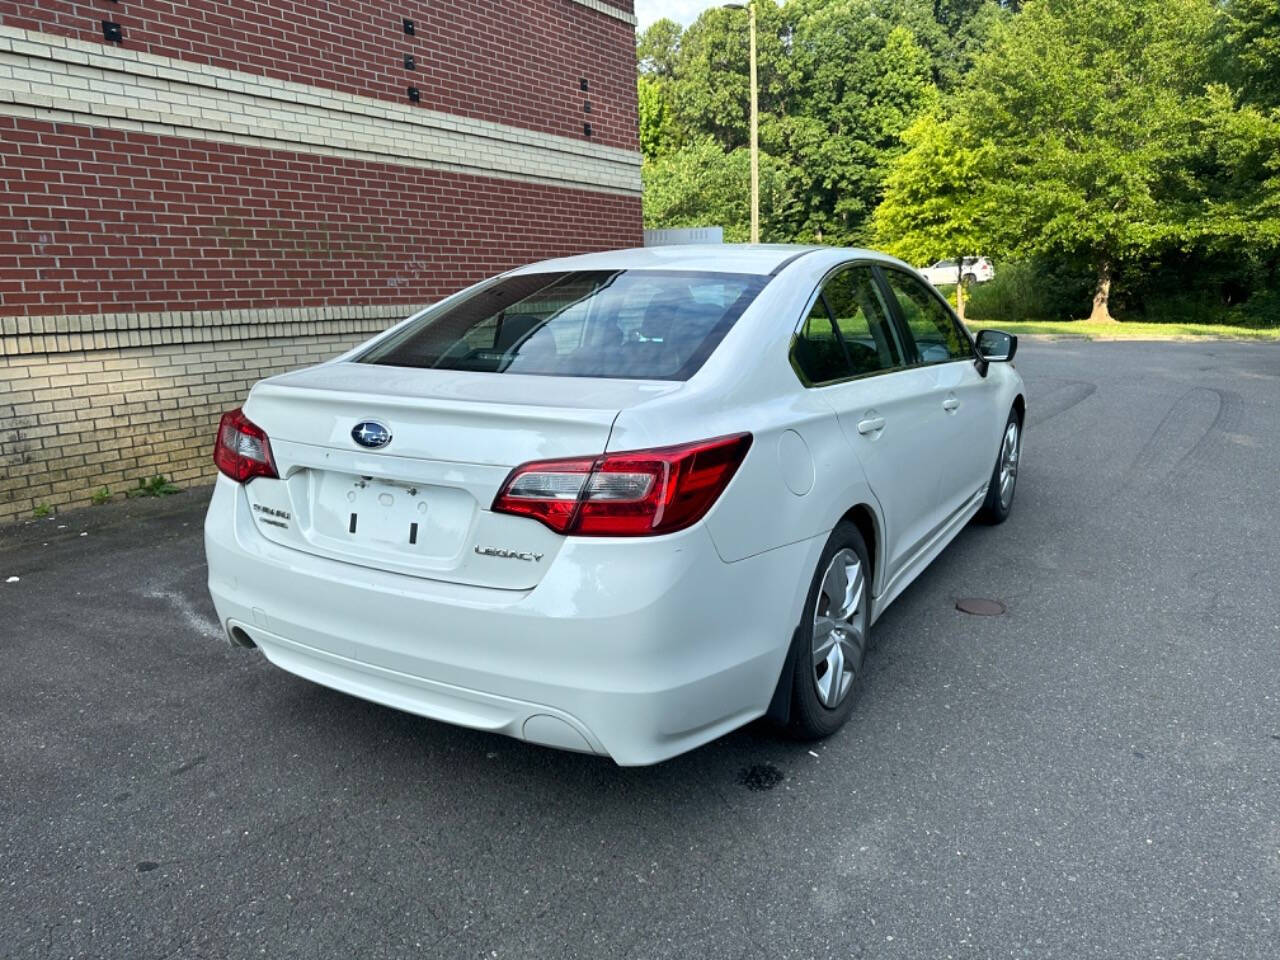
[(864, 517)]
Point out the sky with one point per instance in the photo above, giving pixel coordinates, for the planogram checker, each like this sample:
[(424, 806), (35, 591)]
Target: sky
[(682, 11)]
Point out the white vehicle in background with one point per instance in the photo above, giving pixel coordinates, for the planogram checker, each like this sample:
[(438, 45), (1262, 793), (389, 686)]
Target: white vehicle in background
[(976, 270), (619, 503)]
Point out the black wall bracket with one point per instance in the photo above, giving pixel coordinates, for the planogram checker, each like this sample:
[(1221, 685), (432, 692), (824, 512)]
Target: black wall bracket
[(111, 32), (414, 94), (409, 62), (408, 27)]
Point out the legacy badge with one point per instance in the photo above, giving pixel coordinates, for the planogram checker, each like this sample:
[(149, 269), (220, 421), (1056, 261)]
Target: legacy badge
[(508, 554)]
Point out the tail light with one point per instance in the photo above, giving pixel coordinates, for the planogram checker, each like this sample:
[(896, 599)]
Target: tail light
[(634, 494), (243, 450)]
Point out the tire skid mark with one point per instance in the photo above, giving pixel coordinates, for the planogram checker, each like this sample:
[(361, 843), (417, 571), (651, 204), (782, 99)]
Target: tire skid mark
[(1179, 437), (1228, 421), (1059, 399)]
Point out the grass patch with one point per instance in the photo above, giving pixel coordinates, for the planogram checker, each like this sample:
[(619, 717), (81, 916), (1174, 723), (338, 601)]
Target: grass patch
[(1130, 331), (157, 486)]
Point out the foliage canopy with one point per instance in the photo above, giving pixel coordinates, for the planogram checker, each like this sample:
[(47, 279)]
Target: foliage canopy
[(1133, 140)]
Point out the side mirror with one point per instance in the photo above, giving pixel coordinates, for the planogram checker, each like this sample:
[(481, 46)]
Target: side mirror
[(996, 346)]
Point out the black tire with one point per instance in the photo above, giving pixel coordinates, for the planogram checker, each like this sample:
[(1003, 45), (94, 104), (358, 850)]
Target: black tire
[(996, 508), (970, 279), (810, 717)]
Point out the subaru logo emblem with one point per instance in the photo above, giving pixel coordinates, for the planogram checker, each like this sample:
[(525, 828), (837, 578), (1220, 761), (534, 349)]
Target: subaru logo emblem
[(370, 433)]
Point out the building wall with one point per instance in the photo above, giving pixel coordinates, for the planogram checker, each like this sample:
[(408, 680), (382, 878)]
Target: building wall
[(120, 221), (184, 213), (84, 419), (519, 62)]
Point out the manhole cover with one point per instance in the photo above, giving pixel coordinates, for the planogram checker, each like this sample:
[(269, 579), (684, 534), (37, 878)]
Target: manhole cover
[(980, 607)]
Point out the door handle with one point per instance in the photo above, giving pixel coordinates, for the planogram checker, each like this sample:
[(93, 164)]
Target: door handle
[(871, 425), (951, 404)]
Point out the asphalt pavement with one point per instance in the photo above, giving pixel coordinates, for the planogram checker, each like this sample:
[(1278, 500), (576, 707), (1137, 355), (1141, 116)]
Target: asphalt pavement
[(1095, 773)]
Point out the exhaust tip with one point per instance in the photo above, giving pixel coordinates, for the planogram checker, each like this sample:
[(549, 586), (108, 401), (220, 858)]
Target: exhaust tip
[(241, 639)]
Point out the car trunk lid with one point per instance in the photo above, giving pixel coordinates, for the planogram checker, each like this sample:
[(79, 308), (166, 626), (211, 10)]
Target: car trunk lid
[(418, 505)]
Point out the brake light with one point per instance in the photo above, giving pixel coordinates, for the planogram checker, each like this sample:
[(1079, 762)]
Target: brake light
[(243, 451), (633, 494)]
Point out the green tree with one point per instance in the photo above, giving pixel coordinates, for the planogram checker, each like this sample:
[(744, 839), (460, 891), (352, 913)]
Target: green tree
[(702, 185), (658, 49), (1087, 110), (1240, 175), (862, 78), (955, 32), (657, 129), (1136, 139), (1252, 30), (712, 93), (933, 206), (839, 81), (1240, 135), (657, 53)]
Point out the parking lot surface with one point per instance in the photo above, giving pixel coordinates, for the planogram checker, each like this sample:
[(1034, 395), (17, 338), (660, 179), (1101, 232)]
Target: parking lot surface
[(1094, 774)]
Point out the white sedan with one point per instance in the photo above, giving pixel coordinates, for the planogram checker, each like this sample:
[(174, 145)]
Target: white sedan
[(619, 503)]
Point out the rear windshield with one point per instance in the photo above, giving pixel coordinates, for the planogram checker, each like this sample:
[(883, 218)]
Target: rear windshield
[(629, 324)]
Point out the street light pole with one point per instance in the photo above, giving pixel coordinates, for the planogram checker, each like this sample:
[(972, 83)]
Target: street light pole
[(755, 130), (750, 6)]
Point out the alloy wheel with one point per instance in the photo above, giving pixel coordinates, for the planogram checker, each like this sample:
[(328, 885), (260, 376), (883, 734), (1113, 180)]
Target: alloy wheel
[(1009, 464), (839, 622)]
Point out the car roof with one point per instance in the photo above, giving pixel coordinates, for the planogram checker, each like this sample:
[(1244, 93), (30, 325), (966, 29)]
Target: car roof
[(758, 258)]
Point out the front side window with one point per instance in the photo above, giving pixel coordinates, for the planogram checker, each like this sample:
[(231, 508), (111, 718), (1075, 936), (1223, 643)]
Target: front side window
[(628, 324), (935, 336), (863, 320), (847, 333)]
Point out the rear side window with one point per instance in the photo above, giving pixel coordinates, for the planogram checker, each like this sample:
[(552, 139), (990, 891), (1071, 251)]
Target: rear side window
[(817, 350), (847, 333), (630, 324), (934, 334)]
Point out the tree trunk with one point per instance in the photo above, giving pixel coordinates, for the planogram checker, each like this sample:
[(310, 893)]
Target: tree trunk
[(960, 290), (1102, 295)]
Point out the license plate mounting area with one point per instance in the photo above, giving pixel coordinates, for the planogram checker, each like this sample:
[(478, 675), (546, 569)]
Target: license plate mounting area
[(386, 512)]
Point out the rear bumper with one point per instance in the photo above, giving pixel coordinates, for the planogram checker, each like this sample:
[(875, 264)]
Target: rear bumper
[(638, 650)]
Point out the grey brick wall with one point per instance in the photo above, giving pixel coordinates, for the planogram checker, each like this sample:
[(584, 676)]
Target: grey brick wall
[(75, 421)]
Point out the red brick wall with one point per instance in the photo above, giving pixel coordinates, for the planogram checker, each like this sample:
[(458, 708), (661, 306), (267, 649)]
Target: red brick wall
[(510, 61), (95, 220)]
